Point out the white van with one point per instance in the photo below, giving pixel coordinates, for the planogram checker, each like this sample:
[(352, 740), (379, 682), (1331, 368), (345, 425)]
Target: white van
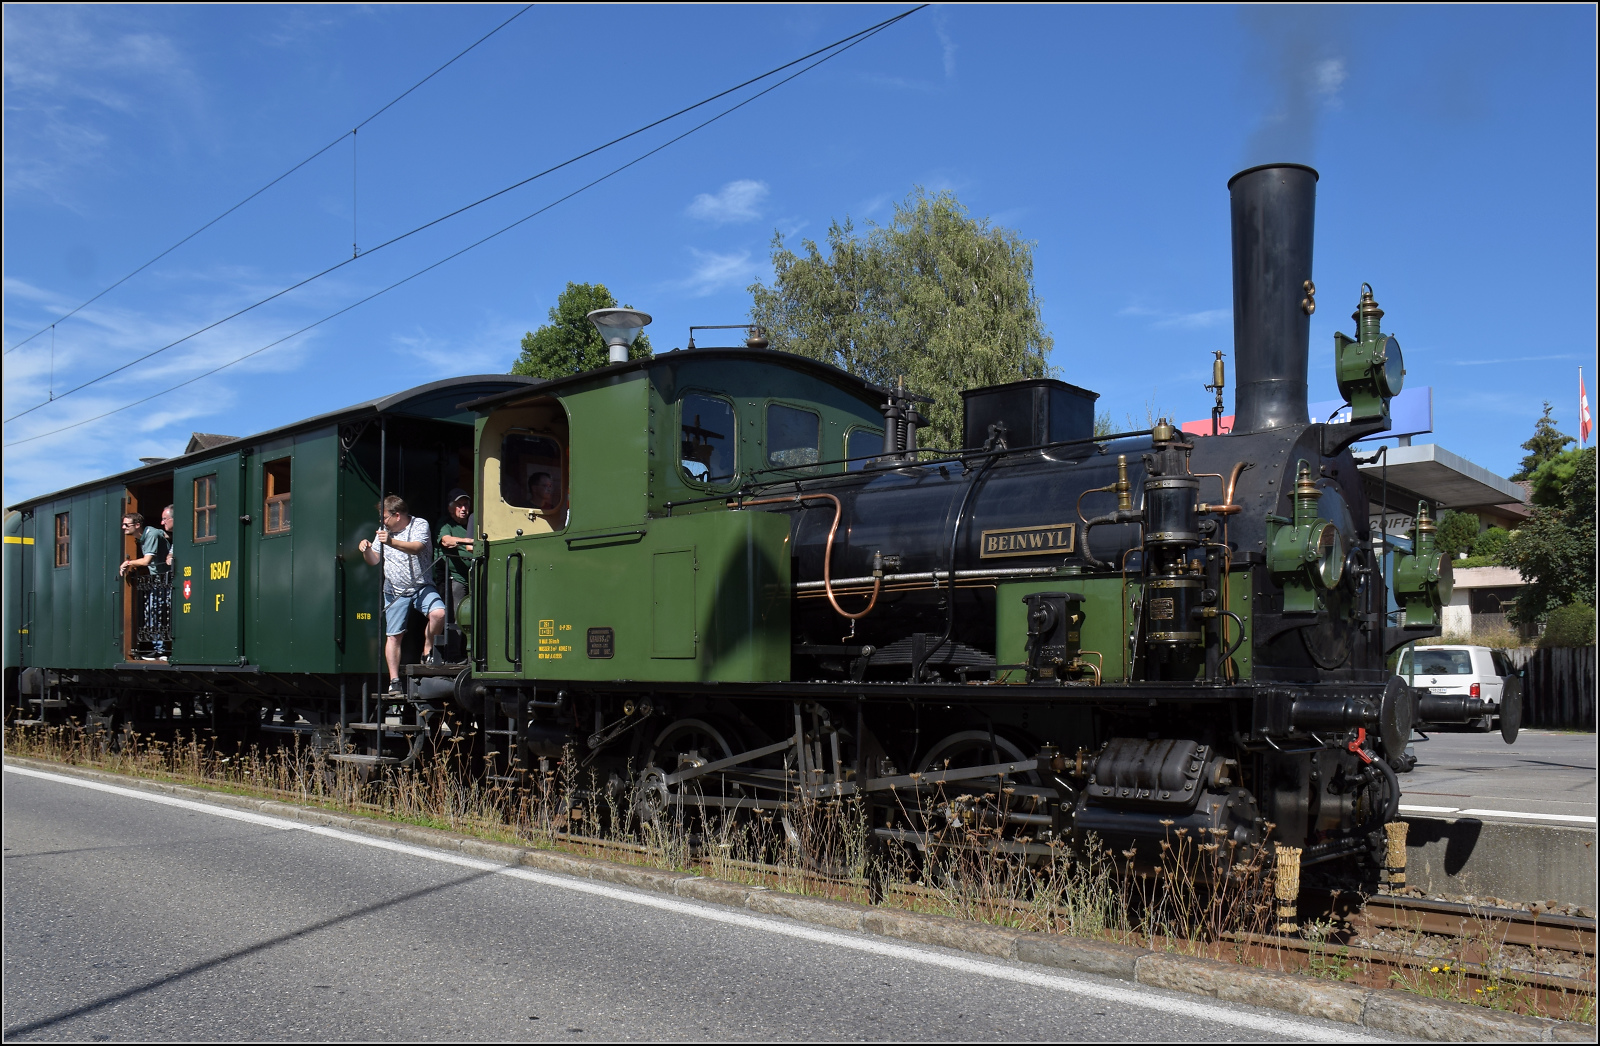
[(1459, 671)]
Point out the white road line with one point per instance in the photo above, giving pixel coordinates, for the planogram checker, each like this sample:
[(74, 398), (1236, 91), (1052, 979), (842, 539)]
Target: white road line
[(1459, 812), (1277, 1026), (1525, 813)]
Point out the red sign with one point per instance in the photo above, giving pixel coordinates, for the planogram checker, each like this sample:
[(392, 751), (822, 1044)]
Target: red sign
[(187, 587)]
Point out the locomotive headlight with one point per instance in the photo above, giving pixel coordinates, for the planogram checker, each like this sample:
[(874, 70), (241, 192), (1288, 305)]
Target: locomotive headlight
[(1424, 579), (1370, 367), (1306, 553), (1391, 368), (1329, 553)]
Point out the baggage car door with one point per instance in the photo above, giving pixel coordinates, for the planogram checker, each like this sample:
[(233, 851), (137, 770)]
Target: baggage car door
[(207, 539)]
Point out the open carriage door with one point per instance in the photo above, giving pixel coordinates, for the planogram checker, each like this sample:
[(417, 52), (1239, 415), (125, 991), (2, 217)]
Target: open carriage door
[(127, 614), (207, 540)]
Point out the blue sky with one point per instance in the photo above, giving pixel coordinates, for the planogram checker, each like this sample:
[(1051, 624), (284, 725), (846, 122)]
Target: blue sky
[(1456, 148)]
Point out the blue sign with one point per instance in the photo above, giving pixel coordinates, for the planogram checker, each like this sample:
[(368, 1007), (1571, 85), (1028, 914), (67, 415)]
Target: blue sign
[(1410, 413)]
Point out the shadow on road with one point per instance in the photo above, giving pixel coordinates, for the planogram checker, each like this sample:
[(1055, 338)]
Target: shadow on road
[(222, 960)]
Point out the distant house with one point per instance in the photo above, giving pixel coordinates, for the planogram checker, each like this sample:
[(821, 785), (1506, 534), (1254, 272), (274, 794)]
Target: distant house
[(207, 440), (1482, 598)]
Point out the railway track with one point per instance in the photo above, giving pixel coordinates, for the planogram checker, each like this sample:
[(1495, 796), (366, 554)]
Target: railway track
[(1469, 921)]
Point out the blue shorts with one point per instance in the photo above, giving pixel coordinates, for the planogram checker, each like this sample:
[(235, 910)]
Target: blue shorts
[(425, 599)]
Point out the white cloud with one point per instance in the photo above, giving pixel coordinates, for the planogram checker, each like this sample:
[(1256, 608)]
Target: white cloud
[(949, 49), (441, 358), (738, 201), (1514, 359), (1182, 320), (714, 272), (73, 75)]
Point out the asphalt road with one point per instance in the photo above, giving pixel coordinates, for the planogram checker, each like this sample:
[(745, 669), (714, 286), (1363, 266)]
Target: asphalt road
[(1547, 777), (149, 918)]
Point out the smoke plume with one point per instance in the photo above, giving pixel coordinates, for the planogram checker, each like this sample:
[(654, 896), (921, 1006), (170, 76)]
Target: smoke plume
[(1298, 72)]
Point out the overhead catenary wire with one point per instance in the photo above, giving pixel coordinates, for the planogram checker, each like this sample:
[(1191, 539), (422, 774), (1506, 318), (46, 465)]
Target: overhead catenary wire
[(270, 184), (837, 47), (854, 39)]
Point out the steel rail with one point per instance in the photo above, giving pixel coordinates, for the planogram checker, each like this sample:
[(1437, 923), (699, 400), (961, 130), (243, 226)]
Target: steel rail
[(1510, 925)]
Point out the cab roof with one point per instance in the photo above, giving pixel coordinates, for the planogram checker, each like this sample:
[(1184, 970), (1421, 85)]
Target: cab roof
[(866, 390)]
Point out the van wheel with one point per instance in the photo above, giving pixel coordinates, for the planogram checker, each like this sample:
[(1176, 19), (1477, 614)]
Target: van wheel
[(1482, 726)]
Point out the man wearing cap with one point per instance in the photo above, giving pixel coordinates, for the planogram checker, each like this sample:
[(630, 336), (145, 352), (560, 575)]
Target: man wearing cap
[(455, 537)]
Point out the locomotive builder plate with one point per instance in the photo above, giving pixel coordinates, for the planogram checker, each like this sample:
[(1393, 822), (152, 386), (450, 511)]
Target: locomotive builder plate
[(1028, 541)]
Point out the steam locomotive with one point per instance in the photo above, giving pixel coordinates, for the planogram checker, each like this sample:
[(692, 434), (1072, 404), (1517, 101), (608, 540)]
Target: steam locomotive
[(730, 578)]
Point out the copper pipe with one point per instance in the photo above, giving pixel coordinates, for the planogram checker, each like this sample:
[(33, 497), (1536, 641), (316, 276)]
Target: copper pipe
[(1091, 490), (827, 553), (1233, 480), (1228, 508)]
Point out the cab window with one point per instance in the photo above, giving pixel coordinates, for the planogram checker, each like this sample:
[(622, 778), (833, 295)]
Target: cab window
[(709, 432), (533, 476), (794, 437), (864, 444)]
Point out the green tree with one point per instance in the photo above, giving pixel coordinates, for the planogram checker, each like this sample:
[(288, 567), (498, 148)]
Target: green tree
[(1457, 531), (1490, 544), (1554, 550), (1545, 443), (935, 296), (1549, 481), (569, 344)]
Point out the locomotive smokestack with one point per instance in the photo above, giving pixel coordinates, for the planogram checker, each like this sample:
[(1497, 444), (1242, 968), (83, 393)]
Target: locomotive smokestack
[(1274, 208)]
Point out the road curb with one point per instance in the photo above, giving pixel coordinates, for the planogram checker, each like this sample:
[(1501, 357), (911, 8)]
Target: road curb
[(1385, 1012)]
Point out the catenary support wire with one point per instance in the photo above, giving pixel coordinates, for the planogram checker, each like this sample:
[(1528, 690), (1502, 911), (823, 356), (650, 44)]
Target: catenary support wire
[(478, 243), (837, 47), (270, 184)]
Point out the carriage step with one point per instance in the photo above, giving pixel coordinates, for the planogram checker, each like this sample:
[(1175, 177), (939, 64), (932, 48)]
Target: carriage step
[(433, 670), (48, 702), (391, 728), (366, 760), (28, 722)]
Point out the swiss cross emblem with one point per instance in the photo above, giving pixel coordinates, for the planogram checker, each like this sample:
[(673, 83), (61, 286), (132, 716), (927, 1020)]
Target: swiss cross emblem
[(188, 586)]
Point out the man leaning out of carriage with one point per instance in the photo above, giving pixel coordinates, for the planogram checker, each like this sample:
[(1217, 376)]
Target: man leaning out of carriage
[(154, 546)]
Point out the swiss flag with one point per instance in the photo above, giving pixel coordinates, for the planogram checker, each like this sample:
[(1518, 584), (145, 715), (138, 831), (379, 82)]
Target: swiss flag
[(186, 589), (1585, 421)]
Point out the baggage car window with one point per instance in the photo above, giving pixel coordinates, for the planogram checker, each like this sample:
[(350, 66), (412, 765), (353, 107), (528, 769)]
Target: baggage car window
[(860, 443), (709, 431), (794, 437), (63, 539), (205, 508), (532, 476), (276, 509)]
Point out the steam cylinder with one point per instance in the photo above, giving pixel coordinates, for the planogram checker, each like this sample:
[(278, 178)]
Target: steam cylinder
[(1274, 208)]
